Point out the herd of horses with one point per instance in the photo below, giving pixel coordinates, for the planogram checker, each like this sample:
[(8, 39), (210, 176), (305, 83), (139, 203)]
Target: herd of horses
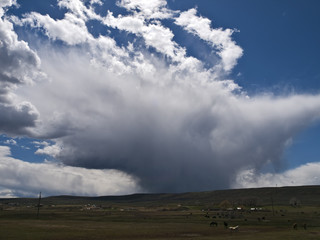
[(226, 225), (236, 228)]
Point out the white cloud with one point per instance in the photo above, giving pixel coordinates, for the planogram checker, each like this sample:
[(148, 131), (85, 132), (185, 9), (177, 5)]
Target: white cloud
[(71, 29), (53, 150), (78, 8), (154, 34), (7, 193), (307, 174), (148, 9), (129, 23), (5, 151), (98, 2), (219, 38), (10, 142), (41, 143), (6, 3), (20, 178)]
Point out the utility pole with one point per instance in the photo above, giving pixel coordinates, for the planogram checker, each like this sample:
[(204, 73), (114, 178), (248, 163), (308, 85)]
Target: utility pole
[(39, 205), (272, 204), (272, 192)]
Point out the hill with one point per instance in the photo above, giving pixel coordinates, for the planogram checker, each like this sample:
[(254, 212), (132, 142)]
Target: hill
[(299, 195)]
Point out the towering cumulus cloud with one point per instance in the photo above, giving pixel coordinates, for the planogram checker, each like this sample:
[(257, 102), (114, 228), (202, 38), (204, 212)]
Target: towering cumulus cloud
[(142, 105)]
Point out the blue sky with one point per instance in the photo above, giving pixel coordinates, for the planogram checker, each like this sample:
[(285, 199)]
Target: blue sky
[(154, 95), (280, 41)]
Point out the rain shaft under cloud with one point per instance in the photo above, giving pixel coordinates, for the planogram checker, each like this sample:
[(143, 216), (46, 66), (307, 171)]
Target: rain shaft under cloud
[(150, 110)]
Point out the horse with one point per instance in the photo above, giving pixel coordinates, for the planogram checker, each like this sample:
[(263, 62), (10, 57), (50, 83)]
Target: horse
[(225, 224), (295, 226), (235, 228)]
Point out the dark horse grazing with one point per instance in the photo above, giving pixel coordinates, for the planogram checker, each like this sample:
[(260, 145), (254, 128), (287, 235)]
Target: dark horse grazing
[(305, 226), (213, 224), (225, 224)]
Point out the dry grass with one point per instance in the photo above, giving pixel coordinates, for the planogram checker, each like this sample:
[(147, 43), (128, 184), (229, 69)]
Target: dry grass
[(72, 222)]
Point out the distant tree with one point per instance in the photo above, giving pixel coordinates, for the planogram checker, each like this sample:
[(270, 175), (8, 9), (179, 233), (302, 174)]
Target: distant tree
[(294, 202), (250, 202), (225, 204)]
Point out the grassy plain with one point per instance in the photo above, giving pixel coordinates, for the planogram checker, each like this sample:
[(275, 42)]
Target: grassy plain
[(162, 216)]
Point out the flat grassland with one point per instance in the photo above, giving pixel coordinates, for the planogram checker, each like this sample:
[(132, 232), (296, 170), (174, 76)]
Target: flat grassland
[(166, 216)]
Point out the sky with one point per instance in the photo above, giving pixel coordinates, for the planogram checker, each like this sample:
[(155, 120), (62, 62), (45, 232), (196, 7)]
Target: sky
[(129, 96)]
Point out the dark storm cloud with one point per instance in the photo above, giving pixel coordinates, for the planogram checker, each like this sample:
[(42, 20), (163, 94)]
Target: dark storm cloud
[(186, 157), (16, 119), (177, 137)]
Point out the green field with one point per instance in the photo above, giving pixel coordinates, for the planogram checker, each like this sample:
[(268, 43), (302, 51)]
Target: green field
[(167, 216)]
